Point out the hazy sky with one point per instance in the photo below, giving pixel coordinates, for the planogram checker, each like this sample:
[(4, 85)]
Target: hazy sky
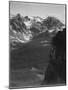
[(35, 9)]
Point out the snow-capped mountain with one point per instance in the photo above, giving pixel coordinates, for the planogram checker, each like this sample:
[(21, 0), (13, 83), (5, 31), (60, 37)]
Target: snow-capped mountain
[(31, 20), (24, 29), (37, 19)]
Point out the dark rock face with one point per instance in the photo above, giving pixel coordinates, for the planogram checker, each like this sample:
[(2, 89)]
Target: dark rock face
[(56, 71)]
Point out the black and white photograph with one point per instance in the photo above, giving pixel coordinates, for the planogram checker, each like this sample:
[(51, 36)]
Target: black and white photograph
[(37, 44)]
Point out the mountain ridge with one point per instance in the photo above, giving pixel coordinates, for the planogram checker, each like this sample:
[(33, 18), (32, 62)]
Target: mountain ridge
[(25, 29)]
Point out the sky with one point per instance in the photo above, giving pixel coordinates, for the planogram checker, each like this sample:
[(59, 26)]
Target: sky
[(38, 9)]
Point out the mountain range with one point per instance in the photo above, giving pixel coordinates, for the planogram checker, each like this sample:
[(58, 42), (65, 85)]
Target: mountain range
[(25, 29)]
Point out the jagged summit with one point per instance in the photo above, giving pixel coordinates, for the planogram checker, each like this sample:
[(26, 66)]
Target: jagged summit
[(24, 29)]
